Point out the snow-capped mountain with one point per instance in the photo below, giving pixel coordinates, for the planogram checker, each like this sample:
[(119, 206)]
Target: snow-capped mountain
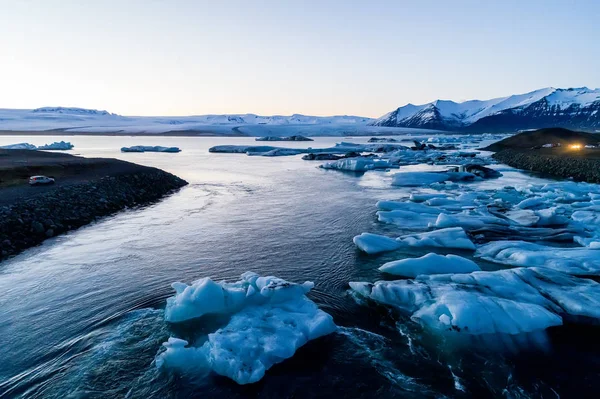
[(573, 108), (71, 119)]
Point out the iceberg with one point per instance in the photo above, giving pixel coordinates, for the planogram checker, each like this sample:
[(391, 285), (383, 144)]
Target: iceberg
[(145, 148), (468, 221), (576, 261), (375, 243), (407, 219), (283, 138), (57, 146), (19, 146), (512, 301), (271, 319), (415, 179), (453, 237), (430, 264), (358, 164), (416, 207)]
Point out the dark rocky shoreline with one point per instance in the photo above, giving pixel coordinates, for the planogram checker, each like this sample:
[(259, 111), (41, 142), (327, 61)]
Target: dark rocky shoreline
[(28, 221), (560, 166)]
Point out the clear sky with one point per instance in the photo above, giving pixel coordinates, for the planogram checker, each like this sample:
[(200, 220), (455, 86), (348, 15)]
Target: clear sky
[(182, 57)]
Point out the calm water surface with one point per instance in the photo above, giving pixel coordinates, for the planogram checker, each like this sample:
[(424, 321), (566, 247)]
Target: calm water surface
[(81, 315)]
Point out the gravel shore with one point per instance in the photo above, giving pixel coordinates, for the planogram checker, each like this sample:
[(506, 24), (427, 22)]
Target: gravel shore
[(86, 189), (578, 166)]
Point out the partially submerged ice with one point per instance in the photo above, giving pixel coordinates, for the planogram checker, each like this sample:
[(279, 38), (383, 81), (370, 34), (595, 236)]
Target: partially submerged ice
[(576, 261), (56, 146), (512, 301), (430, 264), (454, 237), (358, 164), (271, 319), (415, 179), (147, 148)]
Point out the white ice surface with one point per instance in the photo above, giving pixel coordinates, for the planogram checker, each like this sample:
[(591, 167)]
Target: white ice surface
[(575, 261), (415, 179), (430, 264), (271, 319), (358, 164), (454, 237), (512, 301)]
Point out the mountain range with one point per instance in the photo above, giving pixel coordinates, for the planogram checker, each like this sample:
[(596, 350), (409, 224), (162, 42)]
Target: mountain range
[(576, 108)]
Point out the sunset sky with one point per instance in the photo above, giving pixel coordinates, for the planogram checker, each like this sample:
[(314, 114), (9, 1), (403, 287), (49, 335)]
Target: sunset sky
[(159, 57)]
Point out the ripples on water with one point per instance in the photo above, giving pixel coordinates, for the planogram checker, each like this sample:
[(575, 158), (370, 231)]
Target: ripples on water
[(82, 314)]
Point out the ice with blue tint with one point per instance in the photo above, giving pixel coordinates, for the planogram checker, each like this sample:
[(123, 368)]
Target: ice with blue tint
[(429, 264), (271, 319), (454, 237), (576, 261), (415, 179), (512, 301), (358, 164)]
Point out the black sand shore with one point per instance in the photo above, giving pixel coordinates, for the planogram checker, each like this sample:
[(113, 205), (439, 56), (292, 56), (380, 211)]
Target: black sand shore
[(85, 189), (569, 160)]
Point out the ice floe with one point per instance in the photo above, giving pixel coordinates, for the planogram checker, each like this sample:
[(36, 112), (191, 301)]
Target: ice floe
[(271, 319), (415, 179), (454, 237), (430, 264), (375, 243), (358, 164), (512, 301), (56, 146), (283, 138), (147, 148), (576, 261)]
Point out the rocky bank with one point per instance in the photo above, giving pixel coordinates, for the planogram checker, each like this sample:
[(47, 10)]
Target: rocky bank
[(29, 220)]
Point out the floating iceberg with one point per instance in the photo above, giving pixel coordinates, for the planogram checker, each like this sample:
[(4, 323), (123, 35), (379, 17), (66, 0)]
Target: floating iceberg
[(407, 219), (454, 237), (576, 261), (271, 319), (430, 264), (19, 146), (374, 243), (468, 221), (415, 179), (283, 138), (146, 148), (510, 301), (56, 146), (408, 206), (358, 164)]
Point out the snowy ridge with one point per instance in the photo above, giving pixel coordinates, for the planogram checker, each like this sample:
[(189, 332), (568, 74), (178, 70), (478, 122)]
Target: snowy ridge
[(548, 102), (94, 121)]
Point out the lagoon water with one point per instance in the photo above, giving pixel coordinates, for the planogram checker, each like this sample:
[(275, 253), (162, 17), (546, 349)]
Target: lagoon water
[(82, 314)]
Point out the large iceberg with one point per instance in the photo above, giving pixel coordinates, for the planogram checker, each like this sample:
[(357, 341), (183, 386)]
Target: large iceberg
[(358, 164), (19, 146), (148, 148), (453, 237), (375, 243), (415, 179), (283, 138), (576, 261), (429, 264), (271, 318), (512, 301), (56, 146)]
